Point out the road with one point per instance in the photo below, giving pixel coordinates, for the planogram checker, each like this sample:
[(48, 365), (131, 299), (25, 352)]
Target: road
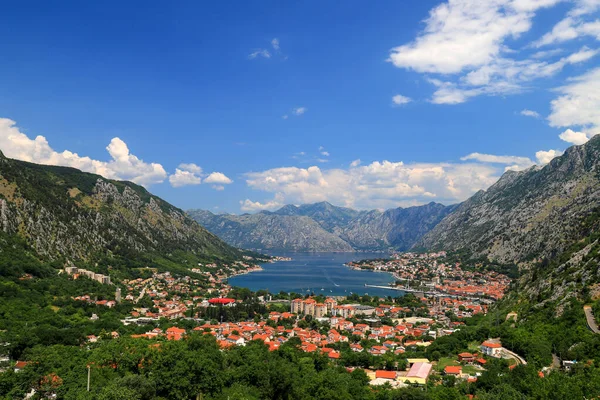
[(142, 293), (591, 321), (515, 356)]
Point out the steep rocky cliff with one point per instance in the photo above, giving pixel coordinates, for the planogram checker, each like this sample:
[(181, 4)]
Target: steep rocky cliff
[(528, 215), (66, 214)]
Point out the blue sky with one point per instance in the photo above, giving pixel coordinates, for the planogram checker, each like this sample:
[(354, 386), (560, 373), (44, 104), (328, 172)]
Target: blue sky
[(249, 106)]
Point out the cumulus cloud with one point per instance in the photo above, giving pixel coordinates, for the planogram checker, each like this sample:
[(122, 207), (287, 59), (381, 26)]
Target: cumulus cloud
[(254, 206), (570, 136), (401, 100), (185, 175), (218, 178), (191, 174), (123, 165), (355, 163), (376, 185), (530, 113), (544, 157)]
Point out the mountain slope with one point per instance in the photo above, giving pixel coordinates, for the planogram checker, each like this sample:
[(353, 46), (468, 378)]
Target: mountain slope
[(536, 213), (268, 231), (397, 228), (65, 214), (324, 227)]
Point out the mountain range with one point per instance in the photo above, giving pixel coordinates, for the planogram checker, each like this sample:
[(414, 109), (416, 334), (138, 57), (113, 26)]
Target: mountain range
[(323, 227)]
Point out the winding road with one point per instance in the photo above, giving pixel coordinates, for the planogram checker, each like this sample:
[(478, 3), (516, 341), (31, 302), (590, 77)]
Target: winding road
[(515, 356), (591, 321)]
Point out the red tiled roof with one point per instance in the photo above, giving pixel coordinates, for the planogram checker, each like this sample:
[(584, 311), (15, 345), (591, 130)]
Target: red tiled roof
[(453, 369), (385, 374), (491, 345)]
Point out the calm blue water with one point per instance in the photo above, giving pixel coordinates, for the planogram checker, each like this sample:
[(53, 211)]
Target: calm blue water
[(316, 271)]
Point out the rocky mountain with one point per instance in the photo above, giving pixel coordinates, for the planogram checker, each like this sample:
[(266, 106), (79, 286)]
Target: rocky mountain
[(324, 227), (269, 231), (65, 214), (533, 214)]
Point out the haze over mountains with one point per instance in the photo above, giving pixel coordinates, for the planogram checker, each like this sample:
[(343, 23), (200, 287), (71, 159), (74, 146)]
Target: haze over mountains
[(324, 227)]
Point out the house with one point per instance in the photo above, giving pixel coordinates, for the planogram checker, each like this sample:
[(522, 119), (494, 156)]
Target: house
[(355, 347), (378, 350), (491, 348), (175, 333), (455, 370), (418, 373), (391, 375), (19, 365), (236, 340), (466, 357)]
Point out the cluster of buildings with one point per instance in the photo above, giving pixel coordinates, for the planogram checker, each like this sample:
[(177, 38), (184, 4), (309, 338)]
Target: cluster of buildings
[(77, 272), (395, 339), (428, 273)]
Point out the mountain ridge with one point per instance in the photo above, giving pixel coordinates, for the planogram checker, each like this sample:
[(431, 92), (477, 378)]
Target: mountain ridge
[(324, 227), (73, 216), (526, 215)]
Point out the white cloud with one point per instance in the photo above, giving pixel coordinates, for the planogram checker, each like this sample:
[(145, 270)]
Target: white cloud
[(502, 77), (323, 151), (355, 163), (530, 113), (275, 44), (218, 178), (123, 165), (254, 206), (377, 185), (547, 53), (284, 116), (570, 136), (544, 157), (515, 163), (401, 100), (578, 104), (461, 34), (259, 53), (185, 175), (299, 110), (574, 25), (465, 42), (191, 167)]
